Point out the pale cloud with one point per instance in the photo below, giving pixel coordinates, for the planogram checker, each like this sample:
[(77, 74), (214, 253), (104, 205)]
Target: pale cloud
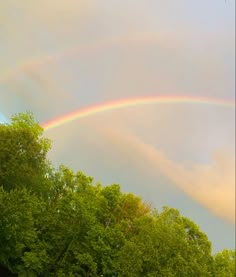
[(148, 62), (32, 29), (54, 14), (127, 42), (41, 91), (212, 185), (173, 67), (58, 56)]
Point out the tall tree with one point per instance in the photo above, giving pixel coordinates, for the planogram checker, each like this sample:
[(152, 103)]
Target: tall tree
[(23, 154)]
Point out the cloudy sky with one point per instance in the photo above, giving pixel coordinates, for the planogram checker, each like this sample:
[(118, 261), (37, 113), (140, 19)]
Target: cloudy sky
[(60, 56)]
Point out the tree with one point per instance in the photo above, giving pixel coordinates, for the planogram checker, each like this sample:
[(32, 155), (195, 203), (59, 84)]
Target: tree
[(21, 249), (225, 263), (165, 244), (23, 154), (56, 222)]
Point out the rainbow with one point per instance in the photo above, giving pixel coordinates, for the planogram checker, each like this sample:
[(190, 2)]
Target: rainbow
[(87, 48), (133, 102)]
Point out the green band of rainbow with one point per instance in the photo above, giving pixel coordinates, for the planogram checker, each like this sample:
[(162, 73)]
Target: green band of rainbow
[(133, 102)]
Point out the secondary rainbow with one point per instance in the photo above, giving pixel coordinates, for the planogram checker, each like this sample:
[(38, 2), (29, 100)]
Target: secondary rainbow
[(87, 48), (133, 102)]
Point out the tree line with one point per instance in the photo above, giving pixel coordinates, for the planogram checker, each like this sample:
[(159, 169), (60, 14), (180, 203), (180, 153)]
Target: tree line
[(56, 222)]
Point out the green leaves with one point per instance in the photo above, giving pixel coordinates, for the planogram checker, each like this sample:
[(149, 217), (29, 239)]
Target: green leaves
[(23, 155), (224, 263), (54, 222), (19, 211), (160, 246)]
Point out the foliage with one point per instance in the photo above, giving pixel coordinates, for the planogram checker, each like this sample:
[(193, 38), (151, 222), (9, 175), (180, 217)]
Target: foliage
[(224, 263), (23, 153), (55, 222)]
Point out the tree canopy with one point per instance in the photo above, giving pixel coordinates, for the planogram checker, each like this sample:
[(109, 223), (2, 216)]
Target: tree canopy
[(56, 222)]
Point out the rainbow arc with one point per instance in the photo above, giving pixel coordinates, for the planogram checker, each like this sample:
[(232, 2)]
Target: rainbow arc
[(133, 102)]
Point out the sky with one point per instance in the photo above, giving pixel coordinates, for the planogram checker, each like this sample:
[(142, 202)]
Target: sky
[(61, 56)]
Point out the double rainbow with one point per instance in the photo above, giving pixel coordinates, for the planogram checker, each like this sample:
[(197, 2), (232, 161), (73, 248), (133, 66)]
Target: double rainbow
[(133, 102)]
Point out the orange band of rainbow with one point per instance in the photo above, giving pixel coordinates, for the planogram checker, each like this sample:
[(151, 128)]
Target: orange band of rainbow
[(133, 102)]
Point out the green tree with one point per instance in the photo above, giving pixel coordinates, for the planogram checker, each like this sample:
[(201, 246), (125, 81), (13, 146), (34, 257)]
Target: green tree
[(56, 222), (165, 244), (21, 249), (23, 154), (225, 263)]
